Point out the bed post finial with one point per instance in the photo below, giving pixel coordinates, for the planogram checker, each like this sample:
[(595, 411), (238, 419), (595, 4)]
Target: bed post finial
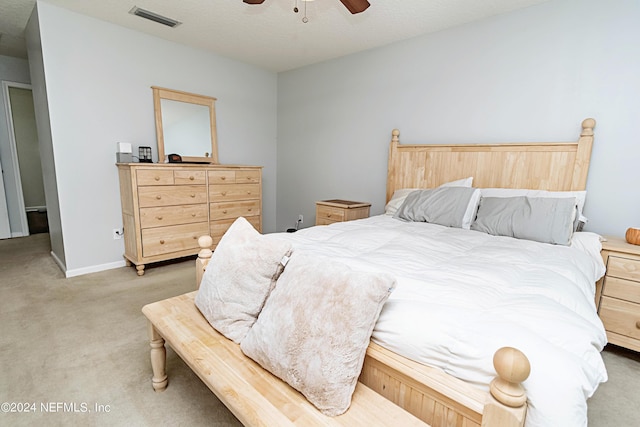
[(513, 368), (395, 135), (587, 127), (205, 242)]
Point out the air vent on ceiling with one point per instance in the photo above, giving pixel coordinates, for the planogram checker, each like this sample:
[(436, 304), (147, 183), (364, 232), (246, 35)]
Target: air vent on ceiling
[(154, 17)]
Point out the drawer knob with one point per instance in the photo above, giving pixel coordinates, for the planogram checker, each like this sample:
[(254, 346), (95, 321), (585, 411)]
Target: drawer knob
[(193, 215), (248, 209), (638, 324), (162, 242), (192, 178), (193, 195), (328, 215), (159, 218), (158, 197), (157, 178), (223, 178), (224, 193), (249, 192), (224, 211)]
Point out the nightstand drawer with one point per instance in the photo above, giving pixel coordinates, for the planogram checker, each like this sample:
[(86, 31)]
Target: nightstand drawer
[(623, 268), (627, 290), (621, 317), (329, 213)]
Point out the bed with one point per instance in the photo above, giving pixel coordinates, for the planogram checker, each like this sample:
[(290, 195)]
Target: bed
[(539, 298)]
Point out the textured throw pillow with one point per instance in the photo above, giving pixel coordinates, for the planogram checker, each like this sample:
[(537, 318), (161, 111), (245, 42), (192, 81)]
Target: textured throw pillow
[(448, 206), (546, 220), (314, 329), (240, 275)]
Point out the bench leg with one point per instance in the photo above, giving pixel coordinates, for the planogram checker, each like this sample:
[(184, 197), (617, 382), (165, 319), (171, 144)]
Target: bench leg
[(158, 359)]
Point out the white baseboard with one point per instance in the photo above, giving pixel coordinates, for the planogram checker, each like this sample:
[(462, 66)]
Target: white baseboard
[(94, 269)]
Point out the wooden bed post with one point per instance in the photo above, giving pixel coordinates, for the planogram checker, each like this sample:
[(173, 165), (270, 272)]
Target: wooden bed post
[(204, 256), (583, 155), (509, 407), (391, 167)]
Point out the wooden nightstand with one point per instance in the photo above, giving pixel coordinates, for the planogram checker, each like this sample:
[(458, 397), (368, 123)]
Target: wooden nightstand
[(336, 210), (619, 306)]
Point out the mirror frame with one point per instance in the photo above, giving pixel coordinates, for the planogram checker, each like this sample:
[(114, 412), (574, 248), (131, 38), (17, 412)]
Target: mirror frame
[(160, 93)]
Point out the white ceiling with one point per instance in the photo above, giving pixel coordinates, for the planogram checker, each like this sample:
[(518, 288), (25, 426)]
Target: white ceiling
[(270, 35)]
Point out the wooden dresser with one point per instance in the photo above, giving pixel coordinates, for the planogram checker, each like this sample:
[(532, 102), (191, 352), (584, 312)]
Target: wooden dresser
[(337, 210), (167, 207), (619, 306)]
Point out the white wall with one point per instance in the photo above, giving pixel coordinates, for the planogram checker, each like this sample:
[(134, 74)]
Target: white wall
[(529, 75), (98, 78), (12, 70)]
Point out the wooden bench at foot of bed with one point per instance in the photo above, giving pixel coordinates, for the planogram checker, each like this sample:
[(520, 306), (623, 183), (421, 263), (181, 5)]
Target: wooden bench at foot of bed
[(252, 394), (258, 398)]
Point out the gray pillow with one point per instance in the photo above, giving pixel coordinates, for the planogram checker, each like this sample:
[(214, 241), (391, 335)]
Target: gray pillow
[(314, 329), (542, 219), (240, 275), (448, 206)]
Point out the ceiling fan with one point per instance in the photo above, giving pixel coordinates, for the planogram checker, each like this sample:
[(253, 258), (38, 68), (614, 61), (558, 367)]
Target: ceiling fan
[(354, 6)]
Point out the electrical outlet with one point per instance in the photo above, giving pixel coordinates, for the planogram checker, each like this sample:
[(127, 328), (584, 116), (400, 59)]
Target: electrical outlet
[(300, 219), (118, 233)]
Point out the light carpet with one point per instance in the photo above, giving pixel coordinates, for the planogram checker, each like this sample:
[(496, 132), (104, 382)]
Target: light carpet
[(75, 351)]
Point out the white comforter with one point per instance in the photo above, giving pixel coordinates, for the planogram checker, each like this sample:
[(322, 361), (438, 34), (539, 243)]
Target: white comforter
[(463, 294)]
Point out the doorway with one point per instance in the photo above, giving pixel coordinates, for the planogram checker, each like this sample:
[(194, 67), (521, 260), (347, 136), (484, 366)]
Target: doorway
[(28, 204)]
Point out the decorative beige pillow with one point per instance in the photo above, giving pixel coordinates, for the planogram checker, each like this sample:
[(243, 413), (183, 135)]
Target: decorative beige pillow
[(242, 272), (315, 327)]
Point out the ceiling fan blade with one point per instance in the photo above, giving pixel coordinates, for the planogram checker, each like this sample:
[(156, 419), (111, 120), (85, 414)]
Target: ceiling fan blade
[(356, 6), (253, 1)]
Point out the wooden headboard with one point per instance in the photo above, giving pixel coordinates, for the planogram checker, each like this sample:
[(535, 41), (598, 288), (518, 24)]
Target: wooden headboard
[(554, 166)]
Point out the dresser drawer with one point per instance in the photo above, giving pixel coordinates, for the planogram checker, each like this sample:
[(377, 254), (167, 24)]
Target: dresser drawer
[(171, 195), (623, 268), (228, 210), (218, 228), (154, 177), (187, 177), (173, 215), (222, 177), (627, 290), (233, 176), (248, 176), (175, 238), (224, 192), (621, 317), (328, 214)]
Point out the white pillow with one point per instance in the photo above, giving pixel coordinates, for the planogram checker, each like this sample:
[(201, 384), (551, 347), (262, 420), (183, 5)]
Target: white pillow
[(399, 195)]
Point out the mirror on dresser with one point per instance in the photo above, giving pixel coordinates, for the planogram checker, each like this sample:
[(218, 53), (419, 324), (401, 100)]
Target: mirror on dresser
[(185, 125)]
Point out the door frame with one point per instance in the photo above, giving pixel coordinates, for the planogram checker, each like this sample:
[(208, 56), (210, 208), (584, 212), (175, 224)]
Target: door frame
[(24, 224)]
